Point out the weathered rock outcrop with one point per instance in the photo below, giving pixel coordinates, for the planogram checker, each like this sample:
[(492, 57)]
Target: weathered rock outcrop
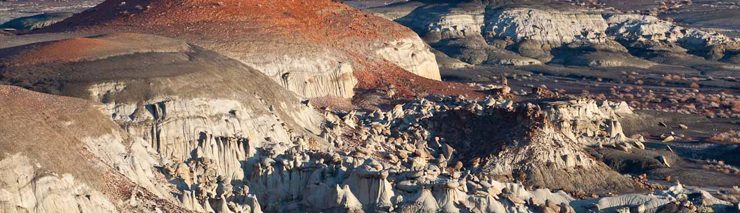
[(548, 28), (197, 107), (479, 136), (172, 105), (478, 33), (26, 188), (312, 48), (650, 33), (64, 154), (457, 30)]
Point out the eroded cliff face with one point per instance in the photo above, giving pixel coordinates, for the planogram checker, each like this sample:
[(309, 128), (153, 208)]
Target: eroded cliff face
[(199, 108), (170, 105), (327, 42)]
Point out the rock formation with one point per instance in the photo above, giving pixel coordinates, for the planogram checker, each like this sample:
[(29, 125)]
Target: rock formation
[(199, 108), (522, 34), (64, 155), (314, 48), (171, 105)]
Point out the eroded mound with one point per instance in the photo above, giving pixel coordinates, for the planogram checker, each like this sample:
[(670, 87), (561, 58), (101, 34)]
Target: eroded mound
[(314, 48), (538, 147)]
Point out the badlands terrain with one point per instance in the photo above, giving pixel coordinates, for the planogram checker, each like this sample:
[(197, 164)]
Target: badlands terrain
[(369, 106)]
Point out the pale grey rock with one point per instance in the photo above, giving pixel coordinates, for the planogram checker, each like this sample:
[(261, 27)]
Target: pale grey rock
[(583, 117), (411, 54), (369, 183), (136, 162), (551, 28), (648, 202), (25, 187)]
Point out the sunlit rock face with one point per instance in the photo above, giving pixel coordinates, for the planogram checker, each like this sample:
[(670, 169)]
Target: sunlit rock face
[(25, 188), (549, 27)]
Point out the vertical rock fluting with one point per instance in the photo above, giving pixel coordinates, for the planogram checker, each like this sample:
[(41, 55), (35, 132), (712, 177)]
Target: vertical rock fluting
[(203, 115)]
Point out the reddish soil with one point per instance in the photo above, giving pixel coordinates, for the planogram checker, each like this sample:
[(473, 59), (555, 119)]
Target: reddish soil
[(293, 24), (315, 21), (63, 51), (382, 74)]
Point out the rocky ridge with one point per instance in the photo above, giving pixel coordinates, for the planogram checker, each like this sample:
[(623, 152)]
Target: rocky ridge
[(525, 35)]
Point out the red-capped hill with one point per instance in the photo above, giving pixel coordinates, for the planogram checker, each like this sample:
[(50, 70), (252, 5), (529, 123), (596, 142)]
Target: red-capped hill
[(315, 48), (320, 21)]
